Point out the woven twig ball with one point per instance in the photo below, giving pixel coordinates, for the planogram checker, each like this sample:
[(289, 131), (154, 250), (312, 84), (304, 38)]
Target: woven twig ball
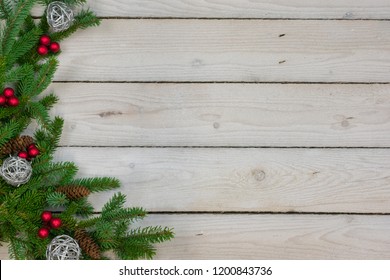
[(59, 16), (63, 247), (16, 171)]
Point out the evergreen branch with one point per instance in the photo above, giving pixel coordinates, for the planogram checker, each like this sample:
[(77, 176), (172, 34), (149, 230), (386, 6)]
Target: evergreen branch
[(85, 208), (29, 24), (129, 214), (104, 231), (132, 251), (4, 189), (69, 2), (48, 101), (26, 83), (20, 208), (12, 129), (45, 75), (3, 66), (68, 222), (122, 228), (6, 8), (24, 44), (30, 202), (89, 223), (17, 73), (9, 112), (118, 216), (43, 25), (108, 244), (54, 174), (155, 234), (8, 131), (56, 199), (16, 249), (83, 20), (117, 201), (14, 24), (55, 129), (80, 207), (70, 210), (98, 184), (38, 112), (48, 137)]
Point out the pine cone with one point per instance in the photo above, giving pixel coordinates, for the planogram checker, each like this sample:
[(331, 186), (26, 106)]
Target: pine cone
[(74, 192), (16, 145), (87, 244)]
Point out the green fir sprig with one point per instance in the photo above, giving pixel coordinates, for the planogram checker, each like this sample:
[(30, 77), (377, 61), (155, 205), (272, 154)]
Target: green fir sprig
[(112, 229)]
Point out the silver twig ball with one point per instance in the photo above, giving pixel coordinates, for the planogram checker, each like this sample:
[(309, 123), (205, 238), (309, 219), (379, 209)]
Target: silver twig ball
[(16, 171), (63, 247), (59, 16)]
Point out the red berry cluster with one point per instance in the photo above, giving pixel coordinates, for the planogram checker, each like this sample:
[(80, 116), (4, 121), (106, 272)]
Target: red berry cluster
[(46, 45), (31, 152), (8, 98), (49, 223)]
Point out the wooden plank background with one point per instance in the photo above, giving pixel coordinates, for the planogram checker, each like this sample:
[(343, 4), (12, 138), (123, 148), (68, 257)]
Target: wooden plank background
[(229, 51), (257, 129), (239, 115)]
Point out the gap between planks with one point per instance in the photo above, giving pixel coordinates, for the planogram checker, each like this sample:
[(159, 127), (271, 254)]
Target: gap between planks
[(222, 147), (263, 213), (257, 213), (258, 19), (220, 82), (281, 9)]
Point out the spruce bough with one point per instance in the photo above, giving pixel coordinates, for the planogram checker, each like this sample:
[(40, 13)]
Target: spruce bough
[(54, 185)]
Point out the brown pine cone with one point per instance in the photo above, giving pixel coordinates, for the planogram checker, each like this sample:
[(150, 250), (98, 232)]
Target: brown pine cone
[(87, 244), (74, 192), (16, 145)]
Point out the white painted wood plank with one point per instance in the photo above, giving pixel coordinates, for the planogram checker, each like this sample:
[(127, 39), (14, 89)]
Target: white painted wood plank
[(330, 9), (229, 50), (272, 237), (224, 114), (4, 252), (282, 180), (276, 237)]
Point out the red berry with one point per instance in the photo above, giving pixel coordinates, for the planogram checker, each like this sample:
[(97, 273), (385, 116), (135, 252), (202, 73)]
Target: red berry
[(33, 152), (54, 47), (13, 101), (46, 216), (44, 40), (43, 233), (31, 146), (8, 92), (3, 100), (55, 222), (23, 155), (42, 50)]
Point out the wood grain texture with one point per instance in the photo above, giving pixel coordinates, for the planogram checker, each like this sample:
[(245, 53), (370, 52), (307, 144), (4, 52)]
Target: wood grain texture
[(307, 9), (276, 237), (247, 49), (272, 237), (229, 50), (346, 9), (4, 252), (281, 180), (224, 115)]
